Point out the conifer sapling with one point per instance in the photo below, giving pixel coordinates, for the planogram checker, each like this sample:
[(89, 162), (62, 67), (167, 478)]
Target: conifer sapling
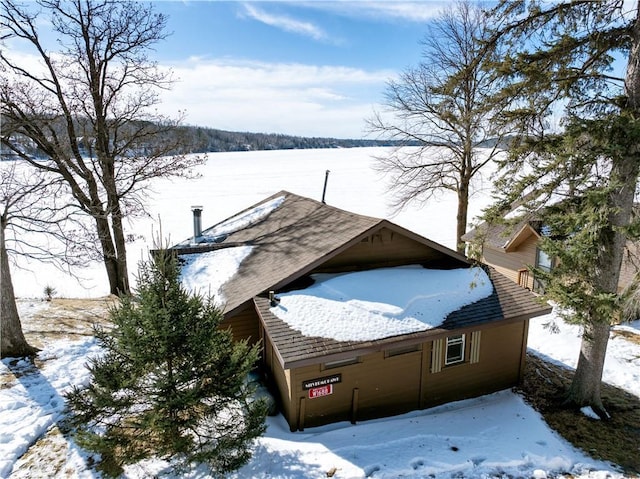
[(171, 384)]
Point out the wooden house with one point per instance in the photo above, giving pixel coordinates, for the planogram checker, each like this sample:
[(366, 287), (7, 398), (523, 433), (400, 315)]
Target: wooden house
[(512, 249), (477, 349)]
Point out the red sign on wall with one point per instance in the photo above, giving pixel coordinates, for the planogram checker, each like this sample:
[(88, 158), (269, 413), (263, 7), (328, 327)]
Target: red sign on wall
[(321, 391)]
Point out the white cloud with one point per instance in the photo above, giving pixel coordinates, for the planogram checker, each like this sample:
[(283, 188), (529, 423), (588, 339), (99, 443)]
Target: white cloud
[(413, 11), (285, 23), (389, 10), (305, 100), (287, 98)]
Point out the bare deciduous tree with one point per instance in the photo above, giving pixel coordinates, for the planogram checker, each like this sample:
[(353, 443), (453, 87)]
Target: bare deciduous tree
[(34, 228), (443, 107), (12, 340), (88, 109)]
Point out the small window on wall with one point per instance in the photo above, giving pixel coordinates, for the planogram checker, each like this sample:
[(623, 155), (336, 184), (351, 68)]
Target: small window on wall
[(455, 350), (545, 263)]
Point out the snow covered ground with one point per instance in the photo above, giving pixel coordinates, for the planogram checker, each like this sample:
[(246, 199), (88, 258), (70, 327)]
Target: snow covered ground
[(492, 436)]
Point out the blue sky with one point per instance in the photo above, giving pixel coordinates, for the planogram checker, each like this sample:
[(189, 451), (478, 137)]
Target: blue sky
[(370, 35), (305, 68)]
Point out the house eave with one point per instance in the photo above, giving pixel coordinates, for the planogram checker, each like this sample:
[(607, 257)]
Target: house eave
[(516, 240), (350, 349), (394, 342)]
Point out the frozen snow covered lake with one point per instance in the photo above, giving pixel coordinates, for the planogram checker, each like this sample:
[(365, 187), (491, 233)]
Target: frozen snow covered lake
[(231, 182)]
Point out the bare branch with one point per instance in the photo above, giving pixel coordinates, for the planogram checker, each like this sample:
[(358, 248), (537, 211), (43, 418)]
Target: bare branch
[(90, 111), (444, 111)]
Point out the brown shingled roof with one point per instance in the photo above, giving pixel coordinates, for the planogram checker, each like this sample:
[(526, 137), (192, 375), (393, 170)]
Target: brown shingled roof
[(290, 241), (508, 303), (302, 234)]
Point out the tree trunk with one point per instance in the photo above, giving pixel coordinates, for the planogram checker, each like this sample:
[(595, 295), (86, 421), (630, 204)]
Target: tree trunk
[(461, 216), (585, 387), (121, 258), (118, 238), (12, 341), (113, 262)]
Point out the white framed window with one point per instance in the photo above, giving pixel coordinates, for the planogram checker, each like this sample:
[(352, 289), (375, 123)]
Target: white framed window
[(545, 263), (455, 350)]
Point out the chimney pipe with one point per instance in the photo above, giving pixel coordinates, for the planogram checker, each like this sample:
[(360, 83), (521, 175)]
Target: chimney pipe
[(197, 222), (324, 189)]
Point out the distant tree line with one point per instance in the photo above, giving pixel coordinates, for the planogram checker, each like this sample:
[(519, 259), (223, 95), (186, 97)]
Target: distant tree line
[(204, 140), (196, 139)]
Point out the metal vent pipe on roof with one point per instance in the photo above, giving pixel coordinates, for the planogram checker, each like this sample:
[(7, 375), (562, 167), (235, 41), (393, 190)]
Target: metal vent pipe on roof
[(324, 189), (197, 222)]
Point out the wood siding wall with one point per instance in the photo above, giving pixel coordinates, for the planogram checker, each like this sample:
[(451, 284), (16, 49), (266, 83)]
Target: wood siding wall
[(244, 324), (497, 367), (277, 378), (382, 385), (510, 263), (384, 248)]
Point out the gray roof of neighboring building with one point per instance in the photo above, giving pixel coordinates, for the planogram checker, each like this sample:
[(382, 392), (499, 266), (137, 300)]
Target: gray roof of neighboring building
[(498, 235)]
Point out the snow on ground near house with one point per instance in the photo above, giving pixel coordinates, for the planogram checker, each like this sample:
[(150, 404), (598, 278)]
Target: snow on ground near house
[(622, 363), (33, 403), (493, 436), (205, 273), (376, 304)]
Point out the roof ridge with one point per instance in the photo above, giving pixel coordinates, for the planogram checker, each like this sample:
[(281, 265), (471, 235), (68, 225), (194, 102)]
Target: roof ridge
[(326, 205)]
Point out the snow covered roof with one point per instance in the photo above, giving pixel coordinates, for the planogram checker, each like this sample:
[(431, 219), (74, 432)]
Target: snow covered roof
[(290, 235), (507, 302), (240, 221), (205, 273), (380, 303), (286, 242)]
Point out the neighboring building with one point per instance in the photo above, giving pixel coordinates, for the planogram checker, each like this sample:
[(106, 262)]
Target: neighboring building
[(510, 249), (513, 248), (286, 246)]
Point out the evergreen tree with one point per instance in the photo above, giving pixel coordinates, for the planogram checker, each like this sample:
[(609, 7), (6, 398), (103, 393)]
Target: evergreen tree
[(581, 175), (171, 383)]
